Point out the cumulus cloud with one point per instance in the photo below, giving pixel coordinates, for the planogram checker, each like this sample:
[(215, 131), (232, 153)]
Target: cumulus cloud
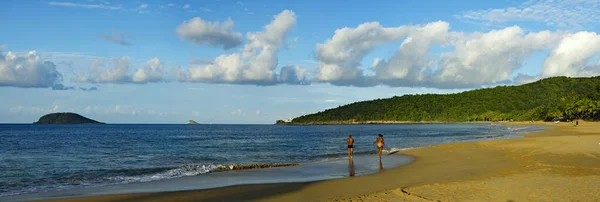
[(116, 38), (152, 72), (293, 75), (412, 63), (489, 58), (572, 55), (256, 64), (119, 72), (28, 71), (474, 59), (219, 34), (341, 55)]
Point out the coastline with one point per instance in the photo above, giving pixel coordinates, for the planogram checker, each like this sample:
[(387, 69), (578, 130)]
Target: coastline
[(560, 163), (384, 123)]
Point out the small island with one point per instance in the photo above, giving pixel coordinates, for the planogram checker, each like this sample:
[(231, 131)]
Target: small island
[(192, 122), (65, 118)]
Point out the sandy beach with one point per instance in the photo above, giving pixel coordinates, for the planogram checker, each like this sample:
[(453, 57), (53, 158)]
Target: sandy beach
[(558, 164)]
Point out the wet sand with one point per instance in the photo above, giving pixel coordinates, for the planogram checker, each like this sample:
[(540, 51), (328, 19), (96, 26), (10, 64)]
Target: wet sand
[(558, 164)]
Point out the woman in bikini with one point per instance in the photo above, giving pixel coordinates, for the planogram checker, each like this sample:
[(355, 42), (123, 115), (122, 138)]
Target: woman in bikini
[(380, 143)]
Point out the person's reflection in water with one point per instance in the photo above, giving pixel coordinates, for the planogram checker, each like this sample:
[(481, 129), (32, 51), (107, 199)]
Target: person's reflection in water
[(351, 167), (380, 164)]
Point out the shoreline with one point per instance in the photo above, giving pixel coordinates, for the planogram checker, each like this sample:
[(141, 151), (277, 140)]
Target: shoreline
[(268, 177), (559, 163), (312, 191), (393, 123)]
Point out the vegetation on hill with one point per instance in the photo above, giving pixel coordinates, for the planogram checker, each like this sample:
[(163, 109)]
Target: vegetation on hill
[(192, 122), (546, 99), (65, 118)]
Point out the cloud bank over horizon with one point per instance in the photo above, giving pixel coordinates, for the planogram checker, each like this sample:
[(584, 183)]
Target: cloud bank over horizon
[(469, 59)]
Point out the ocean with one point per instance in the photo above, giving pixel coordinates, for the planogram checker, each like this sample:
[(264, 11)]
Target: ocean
[(54, 158)]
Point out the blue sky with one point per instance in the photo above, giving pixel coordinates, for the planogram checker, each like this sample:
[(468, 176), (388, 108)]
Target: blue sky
[(258, 61)]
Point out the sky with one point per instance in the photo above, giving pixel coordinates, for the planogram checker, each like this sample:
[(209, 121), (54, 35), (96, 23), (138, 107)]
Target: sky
[(220, 61)]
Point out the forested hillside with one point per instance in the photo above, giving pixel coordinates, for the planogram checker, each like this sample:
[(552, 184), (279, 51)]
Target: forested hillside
[(577, 98)]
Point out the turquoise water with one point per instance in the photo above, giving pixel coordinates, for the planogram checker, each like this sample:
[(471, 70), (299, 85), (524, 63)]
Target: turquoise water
[(64, 158)]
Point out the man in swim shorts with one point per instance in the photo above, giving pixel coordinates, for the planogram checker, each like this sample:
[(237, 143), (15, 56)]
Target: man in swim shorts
[(380, 143), (350, 141)]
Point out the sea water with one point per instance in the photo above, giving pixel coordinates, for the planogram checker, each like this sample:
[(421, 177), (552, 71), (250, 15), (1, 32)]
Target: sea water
[(38, 159)]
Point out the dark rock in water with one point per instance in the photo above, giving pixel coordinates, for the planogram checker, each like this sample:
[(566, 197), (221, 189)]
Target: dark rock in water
[(65, 118)]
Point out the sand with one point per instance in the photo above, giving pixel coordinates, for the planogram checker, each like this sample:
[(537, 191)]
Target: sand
[(558, 164)]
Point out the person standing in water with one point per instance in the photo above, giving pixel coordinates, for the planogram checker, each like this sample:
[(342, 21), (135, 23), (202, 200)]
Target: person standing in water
[(350, 141), (380, 143)]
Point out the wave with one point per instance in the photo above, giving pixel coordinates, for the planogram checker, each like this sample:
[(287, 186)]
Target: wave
[(394, 150), (124, 176), (343, 155), (151, 174)]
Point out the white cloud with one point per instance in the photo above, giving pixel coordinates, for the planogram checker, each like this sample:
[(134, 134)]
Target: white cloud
[(341, 55), (256, 64), (571, 56), (116, 38), (119, 72), (413, 61), (152, 72), (28, 71), (489, 58), (186, 6), (474, 59), (88, 6), (524, 79), (115, 74), (217, 34), (293, 75), (105, 6), (549, 12), (171, 4)]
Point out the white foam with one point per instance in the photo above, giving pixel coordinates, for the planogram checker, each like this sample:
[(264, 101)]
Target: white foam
[(190, 170), (393, 149)]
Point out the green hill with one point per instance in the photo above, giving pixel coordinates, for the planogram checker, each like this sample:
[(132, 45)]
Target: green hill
[(65, 118), (545, 100)]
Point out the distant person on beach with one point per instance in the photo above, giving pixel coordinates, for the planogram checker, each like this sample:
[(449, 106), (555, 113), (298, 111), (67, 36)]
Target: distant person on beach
[(380, 143), (576, 123), (350, 141)]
